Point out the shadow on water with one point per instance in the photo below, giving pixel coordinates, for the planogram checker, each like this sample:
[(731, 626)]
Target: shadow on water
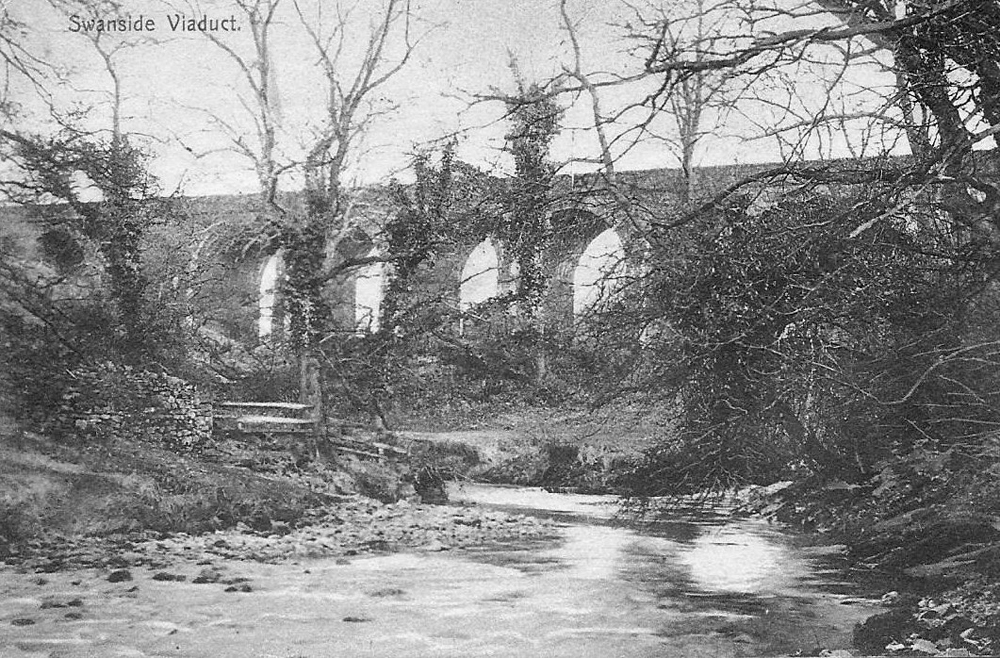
[(762, 590)]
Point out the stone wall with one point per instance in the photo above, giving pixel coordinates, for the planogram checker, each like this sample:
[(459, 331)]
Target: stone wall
[(111, 400)]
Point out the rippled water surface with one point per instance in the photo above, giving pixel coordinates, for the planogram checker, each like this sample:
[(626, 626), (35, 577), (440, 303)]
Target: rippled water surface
[(693, 584)]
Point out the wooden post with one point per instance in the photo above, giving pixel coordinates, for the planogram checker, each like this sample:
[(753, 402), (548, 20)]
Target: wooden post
[(311, 393)]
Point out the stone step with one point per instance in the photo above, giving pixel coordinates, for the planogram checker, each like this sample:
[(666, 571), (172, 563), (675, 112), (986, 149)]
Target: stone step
[(293, 406), (278, 409), (261, 423), (273, 420), (240, 417)]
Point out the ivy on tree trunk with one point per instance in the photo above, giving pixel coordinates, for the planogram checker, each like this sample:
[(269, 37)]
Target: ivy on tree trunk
[(535, 121)]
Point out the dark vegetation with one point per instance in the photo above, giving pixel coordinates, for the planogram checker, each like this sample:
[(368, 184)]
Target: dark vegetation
[(841, 353)]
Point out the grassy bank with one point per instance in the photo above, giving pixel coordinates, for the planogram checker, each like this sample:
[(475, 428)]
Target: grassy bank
[(123, 486), (560, 448), (115, 487)]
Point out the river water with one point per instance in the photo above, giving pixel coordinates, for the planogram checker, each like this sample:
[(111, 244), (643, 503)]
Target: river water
[(695, 584)]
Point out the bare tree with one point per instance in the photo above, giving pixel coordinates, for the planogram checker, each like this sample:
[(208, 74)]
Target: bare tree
[(577, 73), (351, 73), (677, 113), (697, 103), (258, 95)]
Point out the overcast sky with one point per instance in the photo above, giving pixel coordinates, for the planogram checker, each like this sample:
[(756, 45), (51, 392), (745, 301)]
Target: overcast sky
[(174, 87)]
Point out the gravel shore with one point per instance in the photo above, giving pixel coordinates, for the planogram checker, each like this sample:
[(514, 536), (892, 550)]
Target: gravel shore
[(351, 527)]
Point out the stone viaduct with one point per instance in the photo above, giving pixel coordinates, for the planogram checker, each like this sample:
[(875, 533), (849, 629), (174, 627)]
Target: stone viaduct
[(597, 241)]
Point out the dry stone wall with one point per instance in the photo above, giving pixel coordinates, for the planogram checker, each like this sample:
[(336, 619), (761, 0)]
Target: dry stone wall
[(111, 400)]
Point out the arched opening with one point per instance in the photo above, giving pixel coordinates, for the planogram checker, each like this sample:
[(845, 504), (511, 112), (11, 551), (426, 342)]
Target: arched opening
[(598, 272), (268, 299), (480, 279), (480, 276), (369, 288)]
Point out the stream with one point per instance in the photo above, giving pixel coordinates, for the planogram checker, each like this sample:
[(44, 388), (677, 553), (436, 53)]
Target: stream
[(695, 584)]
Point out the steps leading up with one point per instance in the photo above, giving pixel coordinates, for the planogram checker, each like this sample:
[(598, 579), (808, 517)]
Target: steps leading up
[(289, 418), (267, 417)]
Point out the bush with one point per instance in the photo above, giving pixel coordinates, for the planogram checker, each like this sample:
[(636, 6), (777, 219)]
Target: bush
[(18, 523), (789, 341)]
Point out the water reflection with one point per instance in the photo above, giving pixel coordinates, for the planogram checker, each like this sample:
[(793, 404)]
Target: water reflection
[(696, 550), (594, 553), (734, 560)]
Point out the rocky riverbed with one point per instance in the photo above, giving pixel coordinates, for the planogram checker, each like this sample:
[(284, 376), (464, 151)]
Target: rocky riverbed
[(354, 526), (144, 593)]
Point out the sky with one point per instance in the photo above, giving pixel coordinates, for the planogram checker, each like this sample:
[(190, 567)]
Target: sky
[(178, 87)]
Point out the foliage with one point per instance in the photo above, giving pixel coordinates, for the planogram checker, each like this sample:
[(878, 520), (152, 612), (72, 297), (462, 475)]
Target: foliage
[(41, 336), (64, 169), (451, 206), (426, 224), (893, 340), (304, 246), (789, 341), (535, 121), (55, 317), (18, 523)]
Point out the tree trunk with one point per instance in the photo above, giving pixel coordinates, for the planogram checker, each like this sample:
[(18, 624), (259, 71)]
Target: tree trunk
[(311, 393)]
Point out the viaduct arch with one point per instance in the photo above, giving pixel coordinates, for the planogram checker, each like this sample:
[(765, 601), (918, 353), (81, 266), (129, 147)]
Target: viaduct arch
[(589, 257)]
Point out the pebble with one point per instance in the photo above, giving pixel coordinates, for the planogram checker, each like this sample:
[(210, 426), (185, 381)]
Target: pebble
[(207, 575), (163, 575), (924, 646)]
